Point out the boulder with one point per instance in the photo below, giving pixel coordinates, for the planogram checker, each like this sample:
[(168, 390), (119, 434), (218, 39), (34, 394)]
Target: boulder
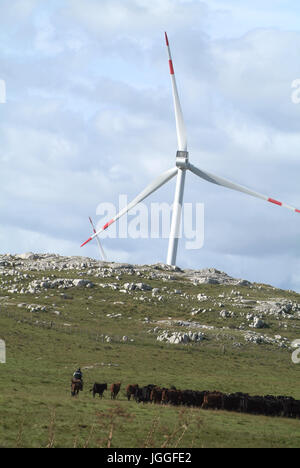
[(258, 323), (143, 287), (82, 283)]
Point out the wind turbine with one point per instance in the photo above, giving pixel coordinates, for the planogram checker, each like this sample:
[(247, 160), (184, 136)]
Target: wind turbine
[(102, 253), (182, 165)]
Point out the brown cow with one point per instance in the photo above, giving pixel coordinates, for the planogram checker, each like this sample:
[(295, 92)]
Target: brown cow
[(172, 396), (131, 390), (156, 394), (213, 400), (114, 390)]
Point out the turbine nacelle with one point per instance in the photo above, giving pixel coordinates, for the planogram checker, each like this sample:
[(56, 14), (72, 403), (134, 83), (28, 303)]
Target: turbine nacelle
[(182, 159)]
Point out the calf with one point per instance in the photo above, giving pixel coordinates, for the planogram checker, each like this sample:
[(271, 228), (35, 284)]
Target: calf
[(98, 388), (131, 390), (114, 390)]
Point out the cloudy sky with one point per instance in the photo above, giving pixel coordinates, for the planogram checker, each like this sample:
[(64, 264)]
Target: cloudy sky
[(89, 115)]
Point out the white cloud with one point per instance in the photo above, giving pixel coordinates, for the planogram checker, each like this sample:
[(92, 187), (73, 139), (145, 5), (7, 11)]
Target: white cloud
[(116, 17)]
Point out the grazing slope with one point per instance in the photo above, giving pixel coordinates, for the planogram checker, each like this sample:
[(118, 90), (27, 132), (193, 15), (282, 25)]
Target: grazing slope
[(200, 330)]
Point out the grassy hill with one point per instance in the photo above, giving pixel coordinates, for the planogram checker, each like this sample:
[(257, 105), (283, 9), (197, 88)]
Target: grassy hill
[(108, 324)]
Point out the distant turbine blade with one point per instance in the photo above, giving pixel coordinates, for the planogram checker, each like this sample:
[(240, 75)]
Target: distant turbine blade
[(92, 224), (161, 180), (101, 249), (180, 127), (240, 188), (102, 253)]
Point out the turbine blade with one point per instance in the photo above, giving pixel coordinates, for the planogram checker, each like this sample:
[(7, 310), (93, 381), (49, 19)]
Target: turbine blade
[(102, 253), (240, 188), (156, 184), (104, 258), (180, 127), (92, 224)]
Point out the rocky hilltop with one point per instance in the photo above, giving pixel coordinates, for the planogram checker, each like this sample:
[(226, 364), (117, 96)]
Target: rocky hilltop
[(207, 309), (47, 262)]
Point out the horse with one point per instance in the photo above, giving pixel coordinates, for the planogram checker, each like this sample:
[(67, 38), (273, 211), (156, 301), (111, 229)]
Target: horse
[(76, 386)]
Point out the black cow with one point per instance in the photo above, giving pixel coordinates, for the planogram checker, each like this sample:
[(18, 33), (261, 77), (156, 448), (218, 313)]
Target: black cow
[(296, 409), (188, 398), (98, 388), (256, 405), (192, 397), (199, 397), (274, 406), (234, 402), (143, 394), (287, 406)]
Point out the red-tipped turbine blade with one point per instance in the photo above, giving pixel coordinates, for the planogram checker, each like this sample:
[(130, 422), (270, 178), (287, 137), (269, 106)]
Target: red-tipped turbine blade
[(87, 241), (155, 185), (180, 127), (94, 230), (167, 40), (240, 188)]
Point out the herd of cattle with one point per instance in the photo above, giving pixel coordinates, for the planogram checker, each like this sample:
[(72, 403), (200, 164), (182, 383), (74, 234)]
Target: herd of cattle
[(240, 402)]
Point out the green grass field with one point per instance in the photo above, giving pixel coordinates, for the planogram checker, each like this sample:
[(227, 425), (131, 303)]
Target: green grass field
[(44, 349)]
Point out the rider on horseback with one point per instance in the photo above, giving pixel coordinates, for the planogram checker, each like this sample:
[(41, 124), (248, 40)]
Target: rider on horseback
[(77, 376)]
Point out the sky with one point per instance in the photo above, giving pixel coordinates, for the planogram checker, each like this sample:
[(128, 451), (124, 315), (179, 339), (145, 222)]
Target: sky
[(88, 115)]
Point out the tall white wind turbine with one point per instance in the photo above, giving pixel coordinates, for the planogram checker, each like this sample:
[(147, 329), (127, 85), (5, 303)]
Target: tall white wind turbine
[(182, 165)]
